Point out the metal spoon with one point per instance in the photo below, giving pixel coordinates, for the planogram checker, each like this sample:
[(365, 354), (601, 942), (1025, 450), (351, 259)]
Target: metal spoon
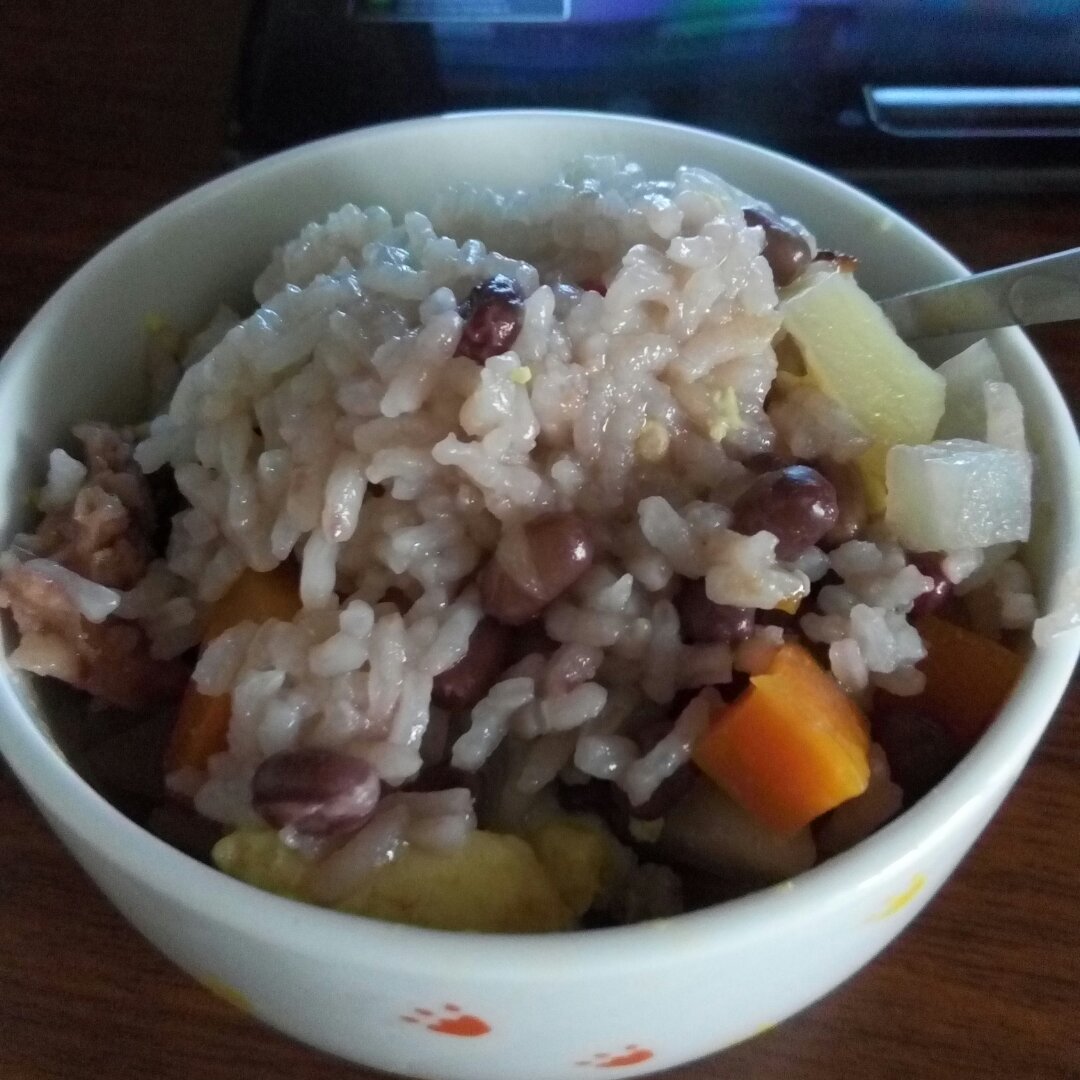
[(1041, 290)]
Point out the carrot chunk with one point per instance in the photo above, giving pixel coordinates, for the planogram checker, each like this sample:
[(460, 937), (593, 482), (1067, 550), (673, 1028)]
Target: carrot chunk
[(258, 597), (202, 724), (201, 730), (791, 746), (968, 677)]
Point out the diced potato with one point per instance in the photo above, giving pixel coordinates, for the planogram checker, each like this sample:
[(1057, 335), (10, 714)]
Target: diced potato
[(958, 494), (856, 357), (258, 857), (493, 883), (966, 374), (579, 857), (710, 831)]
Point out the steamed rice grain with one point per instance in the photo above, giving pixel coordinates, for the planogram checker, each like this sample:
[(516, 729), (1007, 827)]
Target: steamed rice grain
[(341, 427)]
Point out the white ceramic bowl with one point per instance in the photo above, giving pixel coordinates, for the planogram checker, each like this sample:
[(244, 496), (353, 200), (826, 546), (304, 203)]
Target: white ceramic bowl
[(464, 1006)]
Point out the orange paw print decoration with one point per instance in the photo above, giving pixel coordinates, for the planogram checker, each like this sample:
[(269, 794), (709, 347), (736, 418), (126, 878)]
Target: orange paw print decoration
[(453, 1020), (630, 1055), (449, 1021)]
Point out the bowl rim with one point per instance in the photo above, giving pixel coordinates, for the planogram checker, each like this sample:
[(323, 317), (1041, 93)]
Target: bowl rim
[(897, 848)]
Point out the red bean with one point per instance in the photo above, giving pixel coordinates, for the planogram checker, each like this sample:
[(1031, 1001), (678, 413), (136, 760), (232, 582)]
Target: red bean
[(463, 685), (769, 461), (919, 750), (786, 252), (493, 314), (797, 505), (846, 264), (528, 639), (852, 513), (534, 565), (929, 563), (504, 600), (704, 622), (317, 792)]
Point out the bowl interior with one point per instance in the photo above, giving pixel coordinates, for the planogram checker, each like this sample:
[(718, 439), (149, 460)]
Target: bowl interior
[(79, 357)]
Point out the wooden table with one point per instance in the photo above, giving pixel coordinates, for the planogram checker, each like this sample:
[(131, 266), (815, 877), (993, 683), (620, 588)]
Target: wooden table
[(107, 110)]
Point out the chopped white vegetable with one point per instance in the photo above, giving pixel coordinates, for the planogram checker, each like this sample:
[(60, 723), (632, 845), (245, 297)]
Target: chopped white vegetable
[(992, 558), (957, 494), (1064, 617), (854, 355), (966, 374), (1004, 416)]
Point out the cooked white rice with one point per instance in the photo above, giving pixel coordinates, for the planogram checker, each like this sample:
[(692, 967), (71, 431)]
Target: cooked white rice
[(614, 406), (339, 426)]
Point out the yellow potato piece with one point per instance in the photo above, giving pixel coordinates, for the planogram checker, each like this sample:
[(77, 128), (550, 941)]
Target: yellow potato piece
[(493, 883), (579, 857), (258, 857)]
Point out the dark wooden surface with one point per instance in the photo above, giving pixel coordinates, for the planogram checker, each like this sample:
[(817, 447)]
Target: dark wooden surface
[(107, 110)]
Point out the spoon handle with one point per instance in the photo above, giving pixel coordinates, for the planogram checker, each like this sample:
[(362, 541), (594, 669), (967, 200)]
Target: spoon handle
[(1041, 290)]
